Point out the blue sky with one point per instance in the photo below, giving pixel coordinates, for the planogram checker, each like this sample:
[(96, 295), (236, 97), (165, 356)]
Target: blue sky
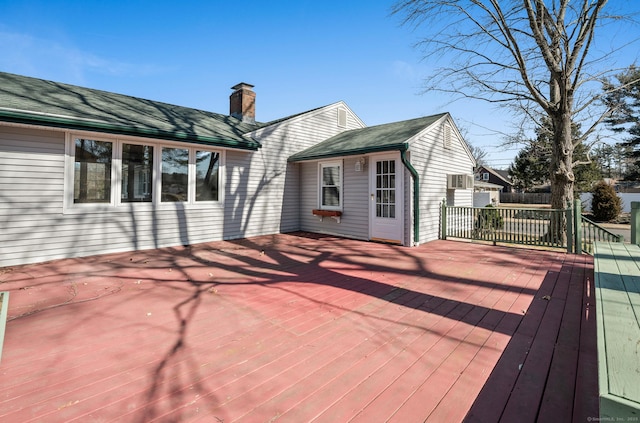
[(299, 55)]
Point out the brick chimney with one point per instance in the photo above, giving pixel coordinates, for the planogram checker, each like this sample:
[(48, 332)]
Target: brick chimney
[(242, 103)]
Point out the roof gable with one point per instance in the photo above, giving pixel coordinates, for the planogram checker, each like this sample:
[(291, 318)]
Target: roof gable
[(37, 101), (503, 175), (386, 137), (269, 126)]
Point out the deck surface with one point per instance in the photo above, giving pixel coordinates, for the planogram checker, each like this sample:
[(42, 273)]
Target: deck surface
[(299, 328), (617, 282)]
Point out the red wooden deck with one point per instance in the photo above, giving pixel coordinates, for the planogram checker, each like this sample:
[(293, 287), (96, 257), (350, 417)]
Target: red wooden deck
[(300, 328)]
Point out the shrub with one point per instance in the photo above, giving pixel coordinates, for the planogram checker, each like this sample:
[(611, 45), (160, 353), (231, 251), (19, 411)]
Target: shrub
[(605, 203), (489, 219)]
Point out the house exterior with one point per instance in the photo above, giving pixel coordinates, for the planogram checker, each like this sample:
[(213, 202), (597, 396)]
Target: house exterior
[(86, 172), (391, 180), (486, 193), (494, 176)]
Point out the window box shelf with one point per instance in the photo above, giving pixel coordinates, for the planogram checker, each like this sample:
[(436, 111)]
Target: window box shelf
[(334, 214)]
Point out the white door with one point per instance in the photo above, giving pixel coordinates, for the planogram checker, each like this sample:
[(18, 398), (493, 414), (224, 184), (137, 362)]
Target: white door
[(386, 198)]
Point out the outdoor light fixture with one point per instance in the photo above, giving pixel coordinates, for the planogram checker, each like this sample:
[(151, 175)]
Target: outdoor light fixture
[(360, 164)]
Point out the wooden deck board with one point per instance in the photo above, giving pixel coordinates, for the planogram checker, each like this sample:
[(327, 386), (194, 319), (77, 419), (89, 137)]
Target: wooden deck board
[(617, 276), (298, 327)]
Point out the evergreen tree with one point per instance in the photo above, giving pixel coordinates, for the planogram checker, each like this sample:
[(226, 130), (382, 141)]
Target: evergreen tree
[(532, 165), (624, 98), (605, 203)]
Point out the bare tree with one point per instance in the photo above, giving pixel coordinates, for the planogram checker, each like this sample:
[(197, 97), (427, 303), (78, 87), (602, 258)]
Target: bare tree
[(479, 154), (530, 55)]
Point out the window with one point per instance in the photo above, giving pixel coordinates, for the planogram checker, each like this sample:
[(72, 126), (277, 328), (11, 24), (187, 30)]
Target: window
[(331, 185), (117, 172), (175, 174), (137, 165), (485, 176), (92, 171), (207, 168)]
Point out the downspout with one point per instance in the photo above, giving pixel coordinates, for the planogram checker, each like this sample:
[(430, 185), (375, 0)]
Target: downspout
[(416, 195)]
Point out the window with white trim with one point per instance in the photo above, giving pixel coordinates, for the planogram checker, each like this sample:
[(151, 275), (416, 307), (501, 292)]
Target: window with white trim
[(136, 171), (92, 171), (207, 175), (175, 174), (330, 188), (116, 172)]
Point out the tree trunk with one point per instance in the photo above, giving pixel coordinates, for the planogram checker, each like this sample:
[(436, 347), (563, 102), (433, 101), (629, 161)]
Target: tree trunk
[(562, 177)]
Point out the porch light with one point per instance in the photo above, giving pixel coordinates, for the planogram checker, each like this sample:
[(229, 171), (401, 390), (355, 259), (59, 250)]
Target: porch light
[(360, 164)]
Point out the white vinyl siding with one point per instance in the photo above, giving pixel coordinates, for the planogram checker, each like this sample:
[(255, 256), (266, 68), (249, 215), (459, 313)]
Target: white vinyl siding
[(35, 226), (265, 188), (433, 162), (354, 222), (259, 194)]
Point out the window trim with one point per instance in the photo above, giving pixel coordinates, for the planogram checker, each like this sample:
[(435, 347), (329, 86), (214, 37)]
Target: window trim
[(321, 166), (116, 203)]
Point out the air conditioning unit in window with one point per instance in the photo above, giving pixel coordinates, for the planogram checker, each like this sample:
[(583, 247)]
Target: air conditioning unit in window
[(460, 181)]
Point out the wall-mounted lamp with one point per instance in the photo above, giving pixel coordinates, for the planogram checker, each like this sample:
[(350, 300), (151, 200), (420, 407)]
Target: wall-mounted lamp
[(360, 164)]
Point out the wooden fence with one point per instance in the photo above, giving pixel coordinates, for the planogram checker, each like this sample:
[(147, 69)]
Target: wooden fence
[(525, 197)]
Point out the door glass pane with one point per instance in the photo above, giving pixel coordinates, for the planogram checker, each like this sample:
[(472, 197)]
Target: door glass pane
[(385, 189), (92, 171), (137, 165), (175, 171), (207, 182)]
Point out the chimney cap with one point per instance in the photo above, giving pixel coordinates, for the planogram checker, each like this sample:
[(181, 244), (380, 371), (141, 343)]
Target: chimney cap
[(242, 85)]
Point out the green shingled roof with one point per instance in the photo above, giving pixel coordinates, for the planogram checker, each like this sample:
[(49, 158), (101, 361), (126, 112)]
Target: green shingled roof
[(387, 137), (41, 102)]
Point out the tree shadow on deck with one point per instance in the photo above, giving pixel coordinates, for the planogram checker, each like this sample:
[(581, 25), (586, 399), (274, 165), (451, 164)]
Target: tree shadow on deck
[(548, 370), (288, 263)]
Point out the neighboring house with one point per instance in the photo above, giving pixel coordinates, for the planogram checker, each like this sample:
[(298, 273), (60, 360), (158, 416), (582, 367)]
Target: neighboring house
[(86, 172), (486, 193), (493, 176)]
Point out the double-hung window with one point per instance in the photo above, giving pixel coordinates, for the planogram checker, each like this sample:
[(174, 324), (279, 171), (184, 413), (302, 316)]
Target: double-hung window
[(330, 189), (116, 172)]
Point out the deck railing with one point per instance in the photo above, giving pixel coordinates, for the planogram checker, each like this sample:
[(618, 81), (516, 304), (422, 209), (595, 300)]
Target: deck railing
[(526, 226), (592, 232), (507, 225)]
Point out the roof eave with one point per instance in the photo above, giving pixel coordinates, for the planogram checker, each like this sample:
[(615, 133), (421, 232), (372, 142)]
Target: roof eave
[(67, 123), (354, 152)]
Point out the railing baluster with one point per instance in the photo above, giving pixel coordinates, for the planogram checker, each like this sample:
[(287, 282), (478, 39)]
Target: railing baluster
[(520, 226)]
